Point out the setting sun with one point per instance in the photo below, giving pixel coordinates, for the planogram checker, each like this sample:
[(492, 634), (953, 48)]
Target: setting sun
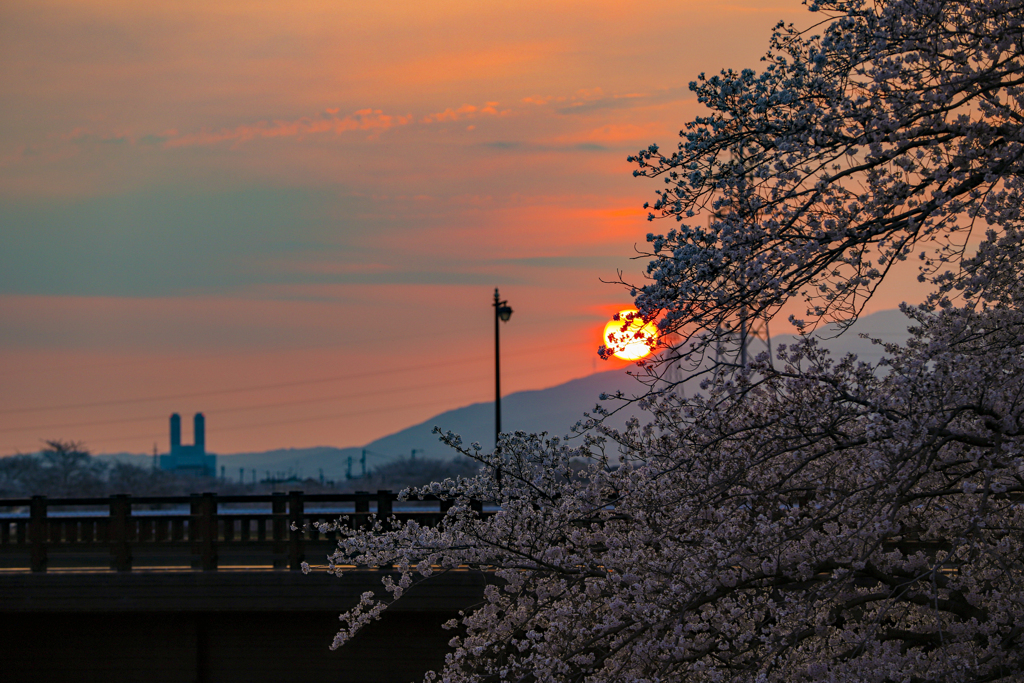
[(635, 342)]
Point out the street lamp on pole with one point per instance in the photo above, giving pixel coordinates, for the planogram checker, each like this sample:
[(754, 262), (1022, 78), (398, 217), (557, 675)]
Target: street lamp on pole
[(502, 312)]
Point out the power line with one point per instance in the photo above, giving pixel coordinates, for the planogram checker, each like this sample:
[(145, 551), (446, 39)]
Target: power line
[(264, 387), (216, 392), (251, 426), (237, 409), (253, 352), (331, 416)]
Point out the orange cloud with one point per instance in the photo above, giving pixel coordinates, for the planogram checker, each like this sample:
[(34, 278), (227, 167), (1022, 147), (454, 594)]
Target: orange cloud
[(466, 111), (373, 120), (613, 133)]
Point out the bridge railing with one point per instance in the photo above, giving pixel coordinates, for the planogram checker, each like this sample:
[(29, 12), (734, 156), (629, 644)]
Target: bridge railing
[(202, 531)]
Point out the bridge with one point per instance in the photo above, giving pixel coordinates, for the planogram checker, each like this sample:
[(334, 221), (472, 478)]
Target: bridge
[(208, 588)]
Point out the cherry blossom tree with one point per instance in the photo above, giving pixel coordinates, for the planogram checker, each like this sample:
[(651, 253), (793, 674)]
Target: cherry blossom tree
[(898, 129), (802, 518)]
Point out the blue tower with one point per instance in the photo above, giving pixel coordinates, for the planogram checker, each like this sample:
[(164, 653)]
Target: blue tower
[(175, 431), (192, 459), (199, 431)]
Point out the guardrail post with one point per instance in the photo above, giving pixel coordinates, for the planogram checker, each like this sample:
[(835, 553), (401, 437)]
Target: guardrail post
[(279, 528), (384, 512), (193, 527), (362, 509), (204, 527), (297, 525), (119, 532), (384, 509), (38, 529)]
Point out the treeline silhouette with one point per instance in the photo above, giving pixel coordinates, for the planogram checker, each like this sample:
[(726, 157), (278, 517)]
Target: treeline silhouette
[(68, 469)]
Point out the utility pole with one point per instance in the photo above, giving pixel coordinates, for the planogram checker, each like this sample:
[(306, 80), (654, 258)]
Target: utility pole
[(502, 312)]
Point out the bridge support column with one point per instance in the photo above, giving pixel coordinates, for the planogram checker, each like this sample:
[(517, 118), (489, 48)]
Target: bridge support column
[(279, 528), (38, 530), (204, 527), (120, 533), (297, 519)]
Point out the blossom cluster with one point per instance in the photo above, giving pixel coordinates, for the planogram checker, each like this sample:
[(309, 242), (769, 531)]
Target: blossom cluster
[(819, 520)]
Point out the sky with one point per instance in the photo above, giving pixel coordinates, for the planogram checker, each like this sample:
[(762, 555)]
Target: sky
[(292, 216)]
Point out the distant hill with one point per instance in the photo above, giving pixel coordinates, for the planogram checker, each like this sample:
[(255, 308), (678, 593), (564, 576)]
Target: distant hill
[(553, 410), (556, 409)]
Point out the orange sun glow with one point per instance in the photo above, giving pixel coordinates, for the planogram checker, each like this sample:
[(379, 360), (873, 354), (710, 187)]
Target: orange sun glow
[(635, 342)]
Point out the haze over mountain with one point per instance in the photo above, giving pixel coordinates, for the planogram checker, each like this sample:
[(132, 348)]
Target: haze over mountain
[(554, 410)]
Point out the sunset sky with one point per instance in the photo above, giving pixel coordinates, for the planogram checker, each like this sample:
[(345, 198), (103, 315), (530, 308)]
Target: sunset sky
[(292, 215)]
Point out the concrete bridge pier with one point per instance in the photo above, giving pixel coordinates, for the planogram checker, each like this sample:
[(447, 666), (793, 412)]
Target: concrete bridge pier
[(219, 627)]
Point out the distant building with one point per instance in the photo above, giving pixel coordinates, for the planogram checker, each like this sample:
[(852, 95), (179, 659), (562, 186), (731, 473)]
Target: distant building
[(192, 459)]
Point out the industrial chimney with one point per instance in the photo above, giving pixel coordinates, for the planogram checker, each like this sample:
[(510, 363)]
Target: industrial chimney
[(199, 430), (175, 432)]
